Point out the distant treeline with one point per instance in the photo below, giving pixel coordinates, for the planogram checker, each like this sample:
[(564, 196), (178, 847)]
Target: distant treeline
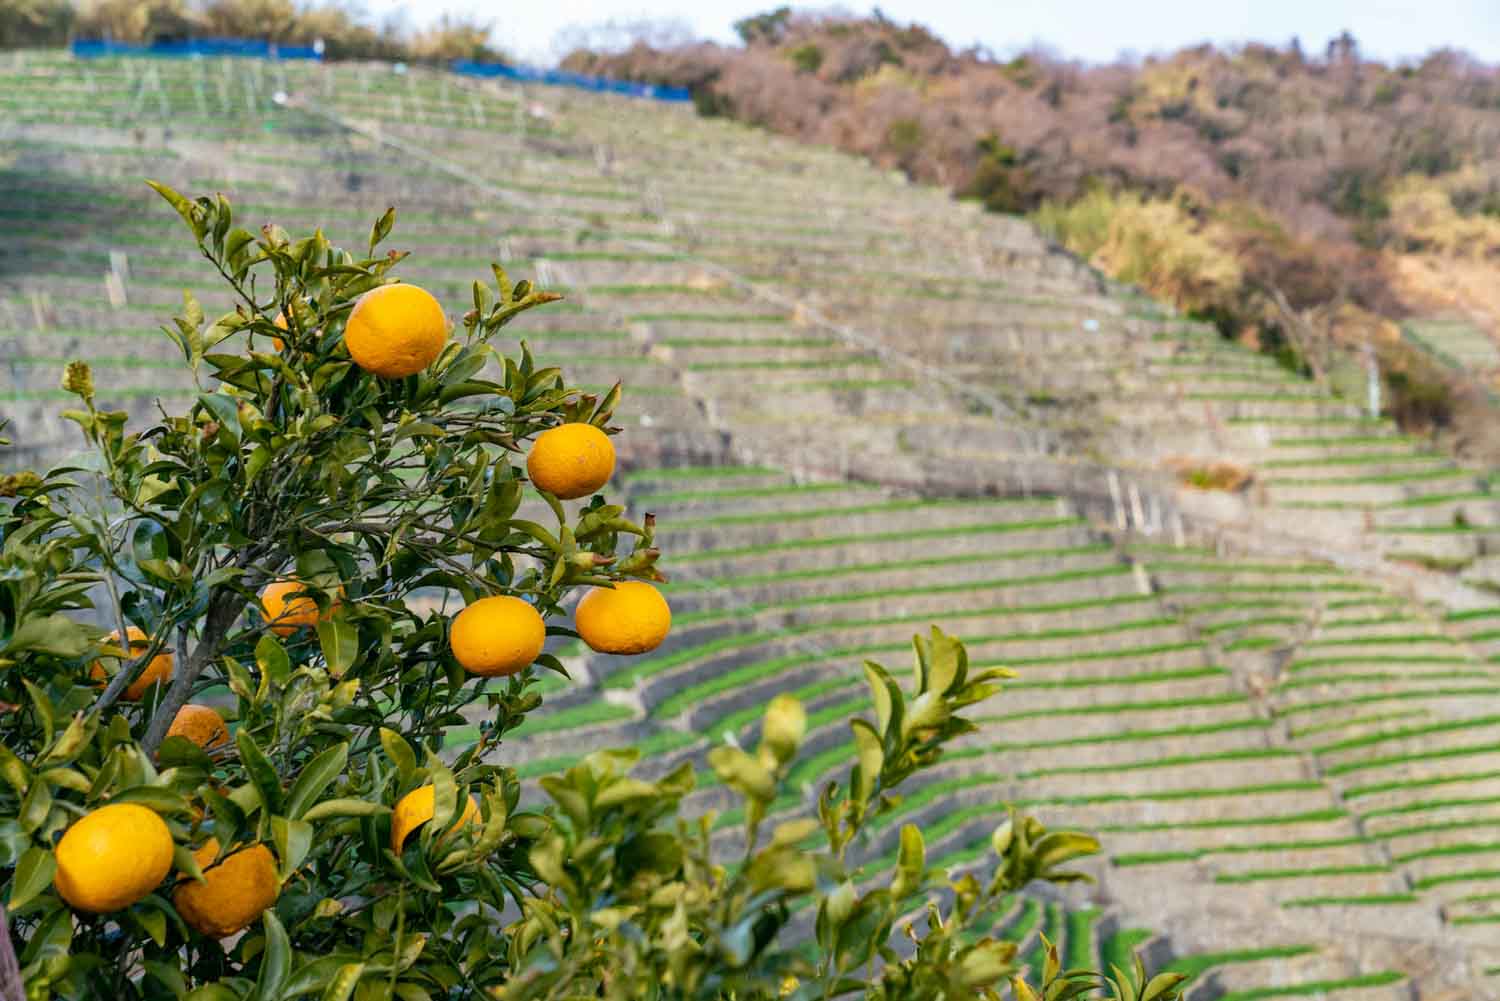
[(1284, 193), (41, 23)]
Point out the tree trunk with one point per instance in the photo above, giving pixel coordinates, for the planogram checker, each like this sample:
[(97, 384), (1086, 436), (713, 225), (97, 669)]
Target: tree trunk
[(12, 988)]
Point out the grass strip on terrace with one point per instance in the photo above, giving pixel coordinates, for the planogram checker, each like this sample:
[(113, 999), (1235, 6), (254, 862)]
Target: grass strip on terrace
[(1396, 785), (1110, 708), (1312, 662), (1133, 736), (1383, 678), (676, 473), (1270, 875), (1344, 724), (1274, 820), (775, 490), (1193, 854), (1391, 760), (829, 542), (1197, 964), (1371, 739), (860, 569), (1449, 878), (777, 318)]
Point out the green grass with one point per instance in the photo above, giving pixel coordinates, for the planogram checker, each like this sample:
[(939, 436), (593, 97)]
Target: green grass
[(1110, 708), (582, 715), (1355, 792), (1243, 848), (1278, 820), (874, 538), (1264, 875), (1344, 724), (1447, 851), (1119, 949), (1423, 806), (1447, 878), (1197, 964), (861, 569), (680, 473), (1078, 952), (1427, 756), (1371, 900), (1371, 739)]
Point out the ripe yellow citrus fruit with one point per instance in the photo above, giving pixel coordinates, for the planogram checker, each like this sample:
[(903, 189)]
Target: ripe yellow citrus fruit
[(497, 636), (112, 857), (233, 894), (159, 669), (571, 460), (287, 611), (395, 331), (415, 809), (280, 321), (632, 617), (201, 725)]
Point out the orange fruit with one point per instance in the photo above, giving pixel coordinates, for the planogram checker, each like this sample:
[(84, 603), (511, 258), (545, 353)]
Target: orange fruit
[(631, 617), (287, 611), (497, 636), (158, 670), (280, 321), (571, 460), (395, 331), (112, 857), (201, 725), (233, 893), (415, 809)]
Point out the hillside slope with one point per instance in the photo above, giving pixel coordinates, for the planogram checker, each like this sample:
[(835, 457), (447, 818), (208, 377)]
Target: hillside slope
[(857, 408)]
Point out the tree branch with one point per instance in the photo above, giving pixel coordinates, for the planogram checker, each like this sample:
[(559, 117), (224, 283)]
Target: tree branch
[(12, 987), (223, 608)]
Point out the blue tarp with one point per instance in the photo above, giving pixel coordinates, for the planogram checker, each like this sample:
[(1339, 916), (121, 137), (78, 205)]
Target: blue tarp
[(526, 74), (268, 50), (252, 49)]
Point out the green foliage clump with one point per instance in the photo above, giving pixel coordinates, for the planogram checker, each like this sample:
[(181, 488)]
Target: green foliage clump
[(395, 502)]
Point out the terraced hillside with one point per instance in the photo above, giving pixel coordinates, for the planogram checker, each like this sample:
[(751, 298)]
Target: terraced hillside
[(857, 408)]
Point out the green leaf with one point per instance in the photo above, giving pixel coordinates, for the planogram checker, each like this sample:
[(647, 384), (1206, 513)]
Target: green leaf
[(340, 642), (15, 773), (262, 773), (293, 840), (871, 752), (33, 875), (272, 659), (154, 922), (315, 778), (190, 212), (399, 751), (330, 808), (212, 992), (341, 987), (1161, 984), (275, 961), (742, 772), (382, 228), (158, 798), (54, 634), (35, 807)]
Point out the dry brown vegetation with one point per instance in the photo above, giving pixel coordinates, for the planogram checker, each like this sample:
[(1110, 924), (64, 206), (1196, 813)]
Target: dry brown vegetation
[(1281, 193)]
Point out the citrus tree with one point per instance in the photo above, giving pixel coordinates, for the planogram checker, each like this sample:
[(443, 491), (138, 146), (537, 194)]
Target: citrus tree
[(241, 785)]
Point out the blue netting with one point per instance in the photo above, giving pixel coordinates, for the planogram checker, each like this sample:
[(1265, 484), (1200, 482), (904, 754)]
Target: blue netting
[(95, 48), (600, 84)]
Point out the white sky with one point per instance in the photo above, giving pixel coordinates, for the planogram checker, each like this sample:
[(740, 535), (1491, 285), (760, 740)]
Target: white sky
[(1094, 30)]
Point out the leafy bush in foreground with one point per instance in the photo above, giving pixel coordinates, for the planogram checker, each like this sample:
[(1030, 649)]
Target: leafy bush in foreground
[(332, 840)]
